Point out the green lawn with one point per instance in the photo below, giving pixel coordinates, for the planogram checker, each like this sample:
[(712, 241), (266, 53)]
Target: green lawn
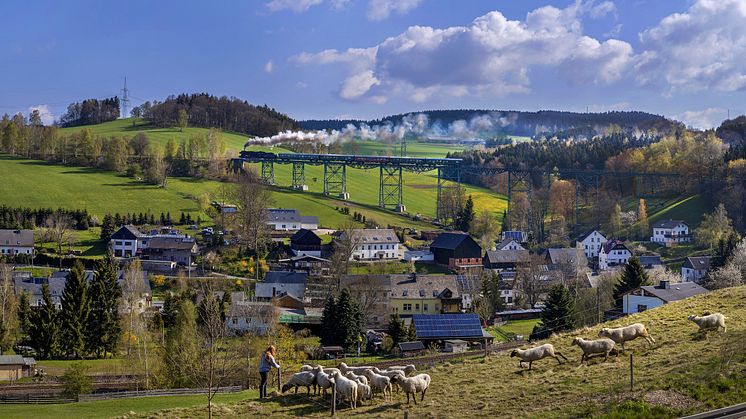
[(107, 366), (516, 327), (111, 408), (689, 209)]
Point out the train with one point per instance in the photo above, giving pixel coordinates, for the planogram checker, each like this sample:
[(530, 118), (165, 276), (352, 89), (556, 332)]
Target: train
[(341, 158)]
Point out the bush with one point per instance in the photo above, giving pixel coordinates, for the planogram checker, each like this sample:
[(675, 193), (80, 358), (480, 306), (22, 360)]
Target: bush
[(75, 380)]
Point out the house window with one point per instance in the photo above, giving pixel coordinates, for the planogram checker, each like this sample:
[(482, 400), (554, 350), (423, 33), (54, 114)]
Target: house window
[(424, 307), (234, 321), (510, 300), (407, 307), (416, 306), (641, 308)]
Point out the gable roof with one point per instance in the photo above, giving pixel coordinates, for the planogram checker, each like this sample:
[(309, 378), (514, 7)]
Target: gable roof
[(449, 240), (285, 277), (12, 360), (650, 261), (589, 233), (566, 255), (411, 346), (614, 245), (373, 235), (127, 232), (171, 243), (423, 286), (305, 236), (675, 292), (22, 238), (283, 214), (506, 241), (698, 262), (668, 223), (507, 256)]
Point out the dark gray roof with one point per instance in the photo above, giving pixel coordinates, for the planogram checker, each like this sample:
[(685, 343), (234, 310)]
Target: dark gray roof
[(675, 292), (411, 346), (283, 214), (127, 232), (449, 240), (12, 360), (505, 242), (309, 219), (566, 255), (507, 256), (698, 262), (589, 232), (614, 245), (305, 236), (650, 261), (171, 243), (22, 238), (668, 223), (285, 277)]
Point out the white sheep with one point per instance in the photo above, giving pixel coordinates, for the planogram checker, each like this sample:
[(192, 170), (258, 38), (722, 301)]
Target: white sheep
[(710, 322), (407, 369), (359, 378), (344, 368), (346, 388), (379, 382), (598, 346), (389, 374), (306, 367), (323, 381), (537, 353), (364, 392), (300, 379), (623, 334), (413, 385)]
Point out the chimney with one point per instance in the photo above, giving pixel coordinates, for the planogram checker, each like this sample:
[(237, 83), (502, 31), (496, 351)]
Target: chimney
[(664, 284)]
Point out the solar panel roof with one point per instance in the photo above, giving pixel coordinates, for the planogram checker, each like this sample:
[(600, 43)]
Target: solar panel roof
[(441, 326)]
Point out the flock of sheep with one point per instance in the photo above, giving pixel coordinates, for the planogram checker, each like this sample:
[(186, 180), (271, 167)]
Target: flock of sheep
[(609, 338), (357, 384)]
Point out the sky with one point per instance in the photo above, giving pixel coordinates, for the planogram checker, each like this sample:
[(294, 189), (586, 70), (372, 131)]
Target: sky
[(323, 59)]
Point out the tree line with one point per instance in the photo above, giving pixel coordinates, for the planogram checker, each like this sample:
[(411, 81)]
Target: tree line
[(90, 112), (28, 218)]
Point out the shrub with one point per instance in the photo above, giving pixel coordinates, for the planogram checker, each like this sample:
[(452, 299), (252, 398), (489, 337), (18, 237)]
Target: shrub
[(75, 380)]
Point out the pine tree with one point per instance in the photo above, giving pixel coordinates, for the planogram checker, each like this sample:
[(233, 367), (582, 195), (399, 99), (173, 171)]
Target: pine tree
[(170, 308), (466, 216), (107, 227), (104, 329), (225, 305), (558, 314), (24, 314), (329, 322), (44, 332), (504, 224), (351, 319), (181, 345), (182, 219), (633, 277), (411, 333), (396, 329), (74, 314)]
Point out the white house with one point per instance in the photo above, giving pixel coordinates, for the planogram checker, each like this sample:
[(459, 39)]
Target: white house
[(668, 232), (128, 241), (375, 244), (612, 253), (591, 243), (282, 219), (695, 269), (646, 298), (279, 283), (16, 242), (509, 244), (424, 256), (250, 316)]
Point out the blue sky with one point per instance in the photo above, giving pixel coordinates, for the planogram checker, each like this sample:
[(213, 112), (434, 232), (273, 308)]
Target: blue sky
[(370, 58)]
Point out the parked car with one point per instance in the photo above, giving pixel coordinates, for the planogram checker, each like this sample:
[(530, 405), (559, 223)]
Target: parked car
[(192, 227)]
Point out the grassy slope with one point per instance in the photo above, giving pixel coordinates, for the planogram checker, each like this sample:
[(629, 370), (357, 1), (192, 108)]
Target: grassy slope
[(684, 367), (689, 209)]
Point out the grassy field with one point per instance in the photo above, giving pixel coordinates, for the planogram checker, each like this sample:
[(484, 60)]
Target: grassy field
[(680, 374), (689, 209)]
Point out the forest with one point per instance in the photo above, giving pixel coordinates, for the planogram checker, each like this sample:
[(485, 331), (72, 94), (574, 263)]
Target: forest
[(90, 112)]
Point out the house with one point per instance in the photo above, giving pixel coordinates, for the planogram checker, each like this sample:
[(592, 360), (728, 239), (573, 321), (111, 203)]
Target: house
[(424, 294), (179, 249), (519, 236), (127, 241), (373, 293), (508, 244), (669, 232), (250, 317), (305, 243), (613, 253), (14, 367), (455, 345), (411, 349), (16, 242), (457, 251), (32, 286), (695, 268), (651, 262), (591, 243), (313, 265), (424, 256), (648, 297), (280, 219), (505, 260), (224, 208), (279, 283), (371, 244)]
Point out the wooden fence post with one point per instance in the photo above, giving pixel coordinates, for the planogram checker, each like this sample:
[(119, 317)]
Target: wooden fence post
[(631, 373), (279, 379), (334, 399)]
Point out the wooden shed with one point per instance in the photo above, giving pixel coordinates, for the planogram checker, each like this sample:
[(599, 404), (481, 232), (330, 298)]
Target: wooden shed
[(456, 345), (410, 349)]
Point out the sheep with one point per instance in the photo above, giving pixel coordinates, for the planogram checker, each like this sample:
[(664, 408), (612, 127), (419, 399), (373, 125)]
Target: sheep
[(623, 334), (306, 367), (537, 353), (599, 346), (359, 378), (389, 374), (407, 369), (323, 381), (364, 392), (300, 379), (379, 382), (346, 388), (710, 322), (344, 368), (413, 385)]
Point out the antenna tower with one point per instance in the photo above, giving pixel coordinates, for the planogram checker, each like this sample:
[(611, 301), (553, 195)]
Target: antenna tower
[(125, 101)]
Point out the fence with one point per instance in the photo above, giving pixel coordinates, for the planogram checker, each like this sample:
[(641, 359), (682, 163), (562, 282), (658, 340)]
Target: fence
[(50, 399)]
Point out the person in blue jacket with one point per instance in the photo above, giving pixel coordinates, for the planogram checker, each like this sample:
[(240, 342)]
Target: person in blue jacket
[(266, 362)]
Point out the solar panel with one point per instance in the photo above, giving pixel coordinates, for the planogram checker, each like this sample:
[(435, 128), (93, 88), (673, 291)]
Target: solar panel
[(442, 326)]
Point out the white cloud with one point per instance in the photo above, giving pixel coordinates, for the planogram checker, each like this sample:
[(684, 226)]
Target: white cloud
[(700, 49), (269, 67), (297, 6), (491, 56), (602, 9), (47, 118), (382, 9), (339, 4), (703, 119)]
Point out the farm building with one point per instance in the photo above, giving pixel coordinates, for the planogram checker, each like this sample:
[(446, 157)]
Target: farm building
[(14, 367), (457, 251), (16, 242), (410, 349), (505, 260), (456, 345), (305, 243)]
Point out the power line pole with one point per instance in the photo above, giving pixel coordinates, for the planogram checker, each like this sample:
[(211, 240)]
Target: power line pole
[(125, 101)]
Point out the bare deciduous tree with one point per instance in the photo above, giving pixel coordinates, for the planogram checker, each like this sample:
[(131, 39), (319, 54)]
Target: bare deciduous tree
[(133, 288), (58, 230), (8, 309), (252, 199)]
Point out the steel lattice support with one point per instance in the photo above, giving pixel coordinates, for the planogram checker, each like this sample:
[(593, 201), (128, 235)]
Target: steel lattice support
[(299, 176), (268, 172), (518, 182), (390, 190), (449, 178), (335, 180)]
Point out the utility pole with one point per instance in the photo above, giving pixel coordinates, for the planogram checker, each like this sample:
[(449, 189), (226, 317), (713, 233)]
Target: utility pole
[(125, 101)]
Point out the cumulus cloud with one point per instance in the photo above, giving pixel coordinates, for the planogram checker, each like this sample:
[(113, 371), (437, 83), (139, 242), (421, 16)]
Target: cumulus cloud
[(382, 9), (702, 119), (702, 48), (269, 67), (491, 56), (297, 6), (47, 118)]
